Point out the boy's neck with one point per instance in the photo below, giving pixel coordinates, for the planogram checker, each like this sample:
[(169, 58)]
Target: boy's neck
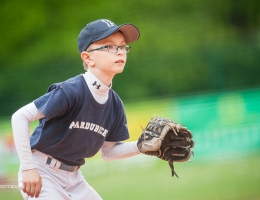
[(104, 78)]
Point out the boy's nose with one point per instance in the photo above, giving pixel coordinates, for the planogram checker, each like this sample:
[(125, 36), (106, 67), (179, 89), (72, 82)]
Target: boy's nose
[(120, 51)]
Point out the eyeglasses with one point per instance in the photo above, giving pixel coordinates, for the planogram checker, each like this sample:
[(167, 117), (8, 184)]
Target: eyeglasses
[(113, 48)]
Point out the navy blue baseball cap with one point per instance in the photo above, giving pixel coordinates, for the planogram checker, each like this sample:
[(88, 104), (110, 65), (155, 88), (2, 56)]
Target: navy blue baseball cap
[(102, 28)]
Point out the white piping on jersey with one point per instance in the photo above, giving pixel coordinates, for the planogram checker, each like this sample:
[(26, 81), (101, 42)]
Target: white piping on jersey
[(98, 89)]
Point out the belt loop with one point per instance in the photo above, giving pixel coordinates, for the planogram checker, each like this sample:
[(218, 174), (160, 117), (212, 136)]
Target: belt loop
[(57, 166), (53, 163)]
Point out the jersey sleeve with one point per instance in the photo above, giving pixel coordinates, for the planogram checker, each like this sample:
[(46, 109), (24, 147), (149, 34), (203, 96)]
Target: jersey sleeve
[(54, 103), (120, 130)]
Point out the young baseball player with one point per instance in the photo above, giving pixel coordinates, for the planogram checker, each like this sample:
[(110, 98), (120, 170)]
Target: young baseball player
[(77, 118)]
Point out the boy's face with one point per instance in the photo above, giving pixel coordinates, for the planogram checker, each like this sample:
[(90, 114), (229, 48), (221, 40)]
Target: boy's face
[(105, 62)]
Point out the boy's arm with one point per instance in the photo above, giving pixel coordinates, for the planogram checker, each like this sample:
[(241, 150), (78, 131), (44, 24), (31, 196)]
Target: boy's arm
[(118, 150), (21, 119), (21, 131)]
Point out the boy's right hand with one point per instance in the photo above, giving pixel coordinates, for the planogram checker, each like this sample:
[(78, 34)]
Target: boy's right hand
[(32, 182)]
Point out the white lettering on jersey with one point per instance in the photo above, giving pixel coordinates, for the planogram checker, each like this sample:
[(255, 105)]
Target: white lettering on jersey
[(71, 125), (108, 22), (76, 125), (86, 125), (104, 133), (82, 124), (92, 126), (96, 129), (101, 129)]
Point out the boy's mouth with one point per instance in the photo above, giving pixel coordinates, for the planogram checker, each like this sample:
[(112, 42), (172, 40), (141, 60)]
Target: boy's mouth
[(120, 61)]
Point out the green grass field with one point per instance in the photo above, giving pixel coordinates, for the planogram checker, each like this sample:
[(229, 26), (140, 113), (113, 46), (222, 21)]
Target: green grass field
[(235, 178), (230, 179)]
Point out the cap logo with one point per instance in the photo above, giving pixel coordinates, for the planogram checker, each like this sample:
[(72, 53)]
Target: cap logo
[(108, 22)]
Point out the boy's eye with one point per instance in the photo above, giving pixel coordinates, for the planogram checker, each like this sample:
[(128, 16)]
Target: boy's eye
[(114, 48), (110, 46)]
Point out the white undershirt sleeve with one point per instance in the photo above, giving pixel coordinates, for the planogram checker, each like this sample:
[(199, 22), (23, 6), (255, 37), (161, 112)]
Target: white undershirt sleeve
[(21, 131), (118, 150)]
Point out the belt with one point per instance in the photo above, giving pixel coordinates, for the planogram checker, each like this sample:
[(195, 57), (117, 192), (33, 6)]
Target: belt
[(63, 166)]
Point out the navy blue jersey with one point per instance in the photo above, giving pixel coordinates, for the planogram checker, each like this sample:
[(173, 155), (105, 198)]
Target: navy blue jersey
[(75, 125)]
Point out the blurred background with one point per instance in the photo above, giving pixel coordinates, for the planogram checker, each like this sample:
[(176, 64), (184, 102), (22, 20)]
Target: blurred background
[(197, 62)]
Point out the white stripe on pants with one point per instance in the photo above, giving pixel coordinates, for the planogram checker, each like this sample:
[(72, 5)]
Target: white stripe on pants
[(59, 184)]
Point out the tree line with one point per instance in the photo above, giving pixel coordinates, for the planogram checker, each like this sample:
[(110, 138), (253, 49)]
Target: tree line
[(185, 47)]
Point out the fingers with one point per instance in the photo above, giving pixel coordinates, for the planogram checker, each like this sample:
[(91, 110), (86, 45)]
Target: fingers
[(32, 183), (26, 188), (37, 190), (32, 189)]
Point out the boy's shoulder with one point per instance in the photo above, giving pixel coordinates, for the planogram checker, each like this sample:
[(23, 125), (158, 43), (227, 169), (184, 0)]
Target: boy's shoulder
[(73, 84), (116, 98)]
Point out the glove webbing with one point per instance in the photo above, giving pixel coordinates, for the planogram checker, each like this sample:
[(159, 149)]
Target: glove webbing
[(151, 134)]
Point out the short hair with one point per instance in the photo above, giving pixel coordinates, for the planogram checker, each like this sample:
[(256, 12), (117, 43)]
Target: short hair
[(85, 64)]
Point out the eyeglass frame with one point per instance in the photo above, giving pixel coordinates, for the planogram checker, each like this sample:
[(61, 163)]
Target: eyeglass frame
[(106, 47)]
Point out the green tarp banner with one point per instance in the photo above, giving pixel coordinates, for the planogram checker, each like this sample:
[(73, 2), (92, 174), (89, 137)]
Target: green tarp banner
[(221, 122)]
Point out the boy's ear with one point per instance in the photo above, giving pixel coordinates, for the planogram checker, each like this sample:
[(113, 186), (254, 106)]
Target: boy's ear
[(85, 56)]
